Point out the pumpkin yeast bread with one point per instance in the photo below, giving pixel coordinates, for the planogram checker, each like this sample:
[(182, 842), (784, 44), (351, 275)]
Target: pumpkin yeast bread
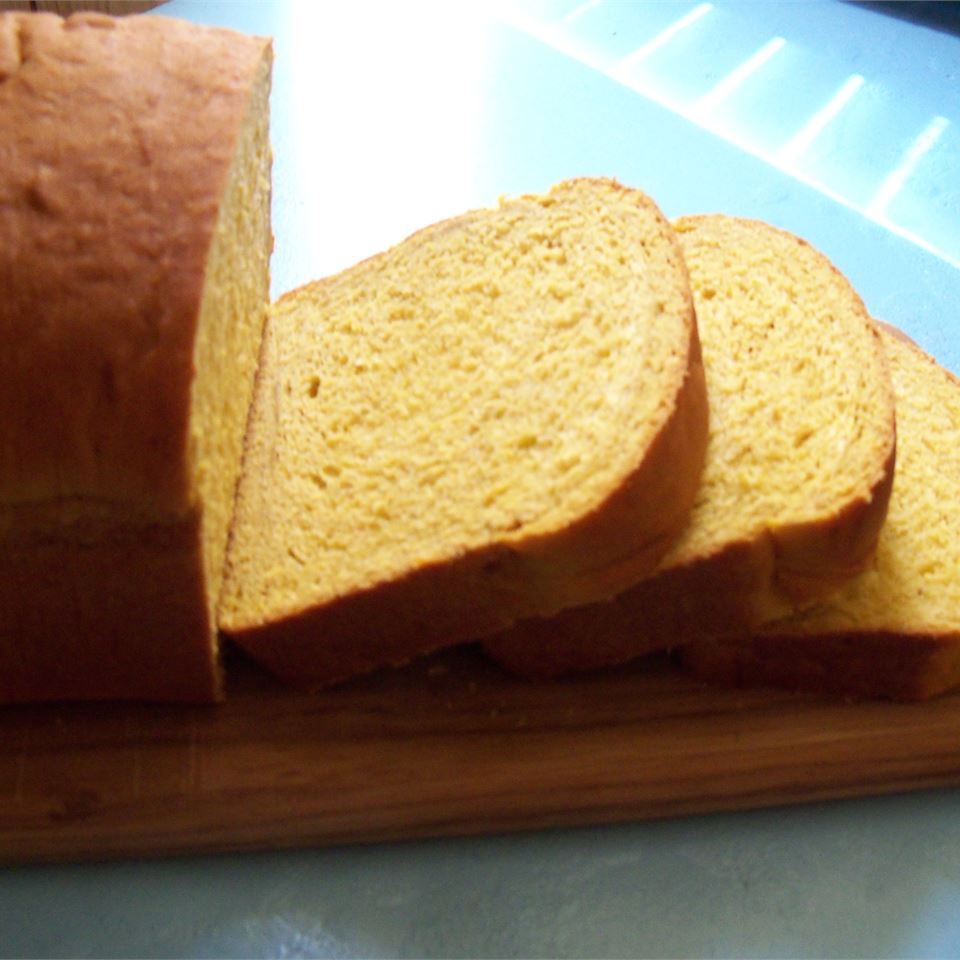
[(799, 465), (894, 631), (134, 248), (502, 416)]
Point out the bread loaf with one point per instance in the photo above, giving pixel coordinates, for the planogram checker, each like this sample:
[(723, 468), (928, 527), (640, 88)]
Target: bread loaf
[(502, 416), (134, 248), (894, 631), (799, 464)]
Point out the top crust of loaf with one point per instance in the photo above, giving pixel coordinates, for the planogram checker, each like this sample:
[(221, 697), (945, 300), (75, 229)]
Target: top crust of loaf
[(795, 489), (115, 144), (617, 336)]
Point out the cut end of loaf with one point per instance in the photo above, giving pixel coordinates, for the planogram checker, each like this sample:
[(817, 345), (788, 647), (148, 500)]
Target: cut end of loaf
[(233, 311), (903, 666)]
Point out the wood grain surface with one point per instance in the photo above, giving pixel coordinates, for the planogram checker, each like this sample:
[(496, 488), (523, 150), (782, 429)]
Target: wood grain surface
[(448, 746)]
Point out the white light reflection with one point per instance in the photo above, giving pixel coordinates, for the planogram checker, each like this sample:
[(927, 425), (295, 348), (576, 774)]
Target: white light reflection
[(578, 12), (661, 38), (898, 176), (785, 160), (802, 139), (739, 74), (384, 143)]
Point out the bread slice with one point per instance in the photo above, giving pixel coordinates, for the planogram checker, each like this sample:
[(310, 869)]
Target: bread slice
[(502, 416), (134, 251), (799, 465), (894, 631)]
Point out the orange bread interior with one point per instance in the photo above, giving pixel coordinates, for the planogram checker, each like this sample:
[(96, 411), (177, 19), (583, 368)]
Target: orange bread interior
[(503, 415), (894, 631), (799, 462)]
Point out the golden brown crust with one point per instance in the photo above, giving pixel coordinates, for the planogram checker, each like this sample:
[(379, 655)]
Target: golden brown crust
[(121, 617), (116, 140), (881, 664), (813, 560), (484, 590), (741, 585), (656, 614)]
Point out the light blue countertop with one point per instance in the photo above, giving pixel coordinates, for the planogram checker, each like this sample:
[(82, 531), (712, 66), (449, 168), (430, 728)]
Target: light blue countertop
[(839, 122), (854, 879)]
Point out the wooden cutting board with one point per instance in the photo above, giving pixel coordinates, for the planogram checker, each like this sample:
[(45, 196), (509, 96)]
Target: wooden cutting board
[(448, 746)]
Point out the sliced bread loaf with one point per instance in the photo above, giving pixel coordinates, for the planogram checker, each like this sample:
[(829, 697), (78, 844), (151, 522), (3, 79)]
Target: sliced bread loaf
[(134, 250), (500, 417), (799, 464), (894, 631)]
